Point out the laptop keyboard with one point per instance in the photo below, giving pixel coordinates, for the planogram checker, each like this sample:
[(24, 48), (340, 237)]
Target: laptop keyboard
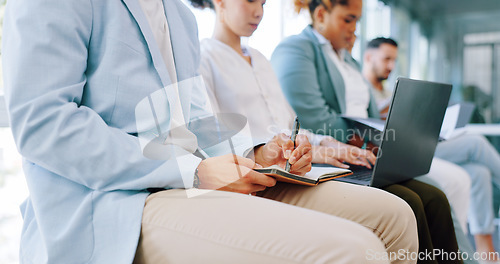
[(360, 173), (362, 176)]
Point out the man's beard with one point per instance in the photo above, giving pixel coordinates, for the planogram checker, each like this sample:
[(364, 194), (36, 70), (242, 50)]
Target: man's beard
[(381, 78)]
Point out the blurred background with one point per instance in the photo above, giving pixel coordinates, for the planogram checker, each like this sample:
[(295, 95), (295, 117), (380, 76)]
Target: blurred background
[(451, 41)]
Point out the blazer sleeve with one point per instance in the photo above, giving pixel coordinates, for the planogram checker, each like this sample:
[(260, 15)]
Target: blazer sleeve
[(45, 49), (294, 61)]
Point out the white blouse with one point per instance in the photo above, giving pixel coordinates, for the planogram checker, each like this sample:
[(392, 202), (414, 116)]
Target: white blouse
[(253, 90)]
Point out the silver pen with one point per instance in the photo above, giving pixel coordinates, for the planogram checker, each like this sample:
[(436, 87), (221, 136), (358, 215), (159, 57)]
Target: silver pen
[(295, 131)]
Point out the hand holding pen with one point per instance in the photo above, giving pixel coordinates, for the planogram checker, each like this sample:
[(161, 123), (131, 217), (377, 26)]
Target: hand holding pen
[(283, 150)]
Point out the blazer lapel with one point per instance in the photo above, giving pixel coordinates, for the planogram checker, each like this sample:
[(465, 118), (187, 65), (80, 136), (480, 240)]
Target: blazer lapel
[(135, 9), (333, 73), (185, 48)]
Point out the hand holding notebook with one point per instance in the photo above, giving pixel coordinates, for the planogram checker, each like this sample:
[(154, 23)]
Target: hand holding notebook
[(312, 178)]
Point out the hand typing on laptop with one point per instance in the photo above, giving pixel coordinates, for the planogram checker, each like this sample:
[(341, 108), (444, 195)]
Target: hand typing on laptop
[(335, 153)]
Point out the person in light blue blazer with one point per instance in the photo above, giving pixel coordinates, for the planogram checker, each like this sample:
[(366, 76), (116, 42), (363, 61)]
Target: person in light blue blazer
[(87, 81)]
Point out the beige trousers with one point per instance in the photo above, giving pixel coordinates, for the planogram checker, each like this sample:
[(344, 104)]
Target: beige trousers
[(308, 225)]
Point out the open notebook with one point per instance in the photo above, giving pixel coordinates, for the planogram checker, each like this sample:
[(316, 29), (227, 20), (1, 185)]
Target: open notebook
[(315, 176)]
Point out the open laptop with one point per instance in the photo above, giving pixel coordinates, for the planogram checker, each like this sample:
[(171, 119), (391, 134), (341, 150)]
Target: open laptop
[(465, 114), (410, 134), (455, 118)]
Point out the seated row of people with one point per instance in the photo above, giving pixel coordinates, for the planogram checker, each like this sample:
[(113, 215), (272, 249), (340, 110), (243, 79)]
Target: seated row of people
[(96, 198), (240, 80), (322, 81), (473, 153)]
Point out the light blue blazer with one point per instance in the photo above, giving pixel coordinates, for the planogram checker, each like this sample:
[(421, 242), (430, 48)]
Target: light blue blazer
[(313, 85), (74, 72)]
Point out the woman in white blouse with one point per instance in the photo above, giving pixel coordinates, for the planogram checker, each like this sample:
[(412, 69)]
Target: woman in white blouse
[(241, 80)]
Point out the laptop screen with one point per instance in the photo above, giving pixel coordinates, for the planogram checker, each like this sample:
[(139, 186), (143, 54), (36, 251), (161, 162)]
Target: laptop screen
[(411, 131)]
